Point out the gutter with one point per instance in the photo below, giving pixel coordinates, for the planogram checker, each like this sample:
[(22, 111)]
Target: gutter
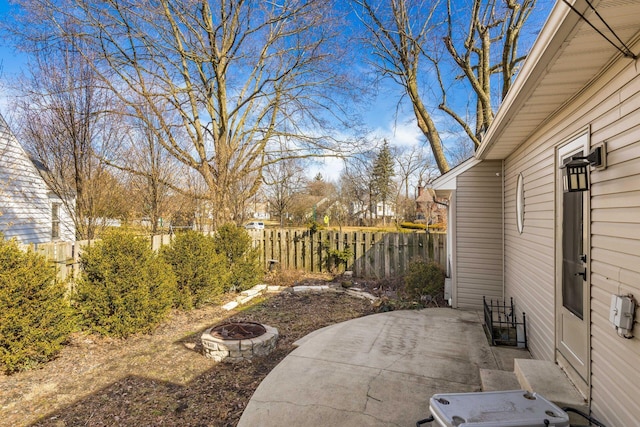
[(504, 280)]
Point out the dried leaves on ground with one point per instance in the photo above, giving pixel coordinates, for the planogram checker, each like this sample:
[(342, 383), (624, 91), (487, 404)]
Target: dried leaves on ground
[(163, 378)]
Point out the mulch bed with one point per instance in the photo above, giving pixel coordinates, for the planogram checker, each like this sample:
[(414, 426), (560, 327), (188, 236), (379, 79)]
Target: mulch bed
[(162, 378)]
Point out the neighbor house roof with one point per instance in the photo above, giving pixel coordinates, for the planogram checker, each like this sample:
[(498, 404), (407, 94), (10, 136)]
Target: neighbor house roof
[(567, 56)]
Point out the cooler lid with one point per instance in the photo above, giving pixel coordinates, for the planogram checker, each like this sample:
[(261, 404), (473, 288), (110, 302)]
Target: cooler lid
[(515, 408)]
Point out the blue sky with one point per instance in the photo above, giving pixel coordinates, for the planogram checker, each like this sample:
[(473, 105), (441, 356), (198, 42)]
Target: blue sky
[(8, 59), (380, 115)]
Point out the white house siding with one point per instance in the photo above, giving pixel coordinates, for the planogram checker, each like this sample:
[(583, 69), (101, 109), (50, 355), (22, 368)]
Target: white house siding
[(615, 245), (478, 234), (529, 257), (25, 204), (611, 107)]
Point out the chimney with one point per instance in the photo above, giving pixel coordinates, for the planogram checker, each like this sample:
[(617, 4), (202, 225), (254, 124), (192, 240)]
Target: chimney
[(420, 190)]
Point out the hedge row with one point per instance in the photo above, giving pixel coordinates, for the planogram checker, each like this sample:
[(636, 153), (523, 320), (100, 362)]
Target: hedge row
[(124, 288)]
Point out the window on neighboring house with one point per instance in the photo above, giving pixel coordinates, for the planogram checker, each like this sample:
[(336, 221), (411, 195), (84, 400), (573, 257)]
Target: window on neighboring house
[(55, 221)]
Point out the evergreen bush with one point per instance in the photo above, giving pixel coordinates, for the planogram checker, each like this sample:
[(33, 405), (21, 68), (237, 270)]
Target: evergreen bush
[(35, 316), (413, 226), (242, 260), (124, 287), (424, 280), (200, 271), (338, 260)]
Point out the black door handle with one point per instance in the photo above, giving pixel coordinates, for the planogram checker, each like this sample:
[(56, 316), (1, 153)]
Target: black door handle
[(582, 273)]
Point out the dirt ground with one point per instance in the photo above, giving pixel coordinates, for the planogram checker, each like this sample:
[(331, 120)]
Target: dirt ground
[(162, 378)]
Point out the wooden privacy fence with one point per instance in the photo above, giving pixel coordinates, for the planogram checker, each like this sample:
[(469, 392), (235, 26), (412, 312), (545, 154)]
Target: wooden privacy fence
[(64, 255), (371, 254)]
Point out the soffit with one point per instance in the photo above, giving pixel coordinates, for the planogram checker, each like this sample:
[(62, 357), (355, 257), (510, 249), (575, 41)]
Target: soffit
[(447, 182), (567, 57)]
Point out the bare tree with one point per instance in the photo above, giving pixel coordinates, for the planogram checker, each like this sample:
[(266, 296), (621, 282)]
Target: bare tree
[(492, 25), (152, 171), (66, 127), (397, 34), (403, 36), (356, 186), (241, 194), (283, 181), (415, 167), (238, 75)]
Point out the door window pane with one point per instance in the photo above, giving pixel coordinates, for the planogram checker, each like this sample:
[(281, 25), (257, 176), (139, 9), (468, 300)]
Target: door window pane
[(572, 266)]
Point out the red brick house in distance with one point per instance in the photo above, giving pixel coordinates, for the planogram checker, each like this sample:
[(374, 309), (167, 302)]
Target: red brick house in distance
[(429, 210)]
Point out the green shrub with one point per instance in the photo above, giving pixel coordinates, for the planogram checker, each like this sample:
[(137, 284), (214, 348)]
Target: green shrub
[(424, 280), (413, 226), (314, 227), (124, 287), (200, 271), (242, 260), (35, 317), (339, 259)]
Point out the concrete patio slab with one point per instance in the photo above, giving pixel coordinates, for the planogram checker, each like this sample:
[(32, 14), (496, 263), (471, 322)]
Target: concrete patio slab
[(378, 370)]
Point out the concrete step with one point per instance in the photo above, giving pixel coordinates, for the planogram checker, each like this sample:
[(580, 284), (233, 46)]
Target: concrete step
[(497, 380), (505, 356), (548, 380)]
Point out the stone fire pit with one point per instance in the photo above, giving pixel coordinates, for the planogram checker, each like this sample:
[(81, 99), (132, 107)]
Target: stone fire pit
[(238, 341)]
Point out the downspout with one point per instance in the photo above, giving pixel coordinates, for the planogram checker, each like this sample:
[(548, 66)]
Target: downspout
[(503, 234)]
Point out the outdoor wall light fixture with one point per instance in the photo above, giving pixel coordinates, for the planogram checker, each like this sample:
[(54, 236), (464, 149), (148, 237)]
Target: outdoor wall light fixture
[(575, 172)]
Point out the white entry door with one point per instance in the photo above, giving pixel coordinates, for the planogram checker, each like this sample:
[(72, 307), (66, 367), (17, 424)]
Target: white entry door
[(572, 273)]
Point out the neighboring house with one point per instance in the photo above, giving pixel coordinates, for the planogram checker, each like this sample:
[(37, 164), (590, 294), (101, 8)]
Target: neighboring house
[(314, 207), (29, 210), (365, 211), (259, 210), (428, 210), (384, 210), (514, 232)]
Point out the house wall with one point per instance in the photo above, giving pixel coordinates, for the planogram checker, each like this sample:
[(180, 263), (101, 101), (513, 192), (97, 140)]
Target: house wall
[(529, 257), (611, 109), (25, 205), (478, 235)]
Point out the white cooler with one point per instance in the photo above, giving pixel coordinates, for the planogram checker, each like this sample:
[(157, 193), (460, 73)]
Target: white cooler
[(516, 408)]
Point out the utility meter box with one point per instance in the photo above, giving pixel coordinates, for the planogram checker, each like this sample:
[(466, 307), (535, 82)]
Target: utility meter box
[(622, 311), (515, 408)]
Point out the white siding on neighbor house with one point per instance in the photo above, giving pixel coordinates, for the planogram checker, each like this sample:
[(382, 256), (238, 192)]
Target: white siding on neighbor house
[(478, 234), (611, 107), (25, 204)]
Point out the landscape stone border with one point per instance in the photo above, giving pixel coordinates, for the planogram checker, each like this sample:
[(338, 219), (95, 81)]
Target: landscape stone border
[(248, 295), (335, 287)]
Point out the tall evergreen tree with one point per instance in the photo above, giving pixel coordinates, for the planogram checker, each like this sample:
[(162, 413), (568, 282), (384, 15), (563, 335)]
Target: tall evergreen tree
[(382, 177)]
